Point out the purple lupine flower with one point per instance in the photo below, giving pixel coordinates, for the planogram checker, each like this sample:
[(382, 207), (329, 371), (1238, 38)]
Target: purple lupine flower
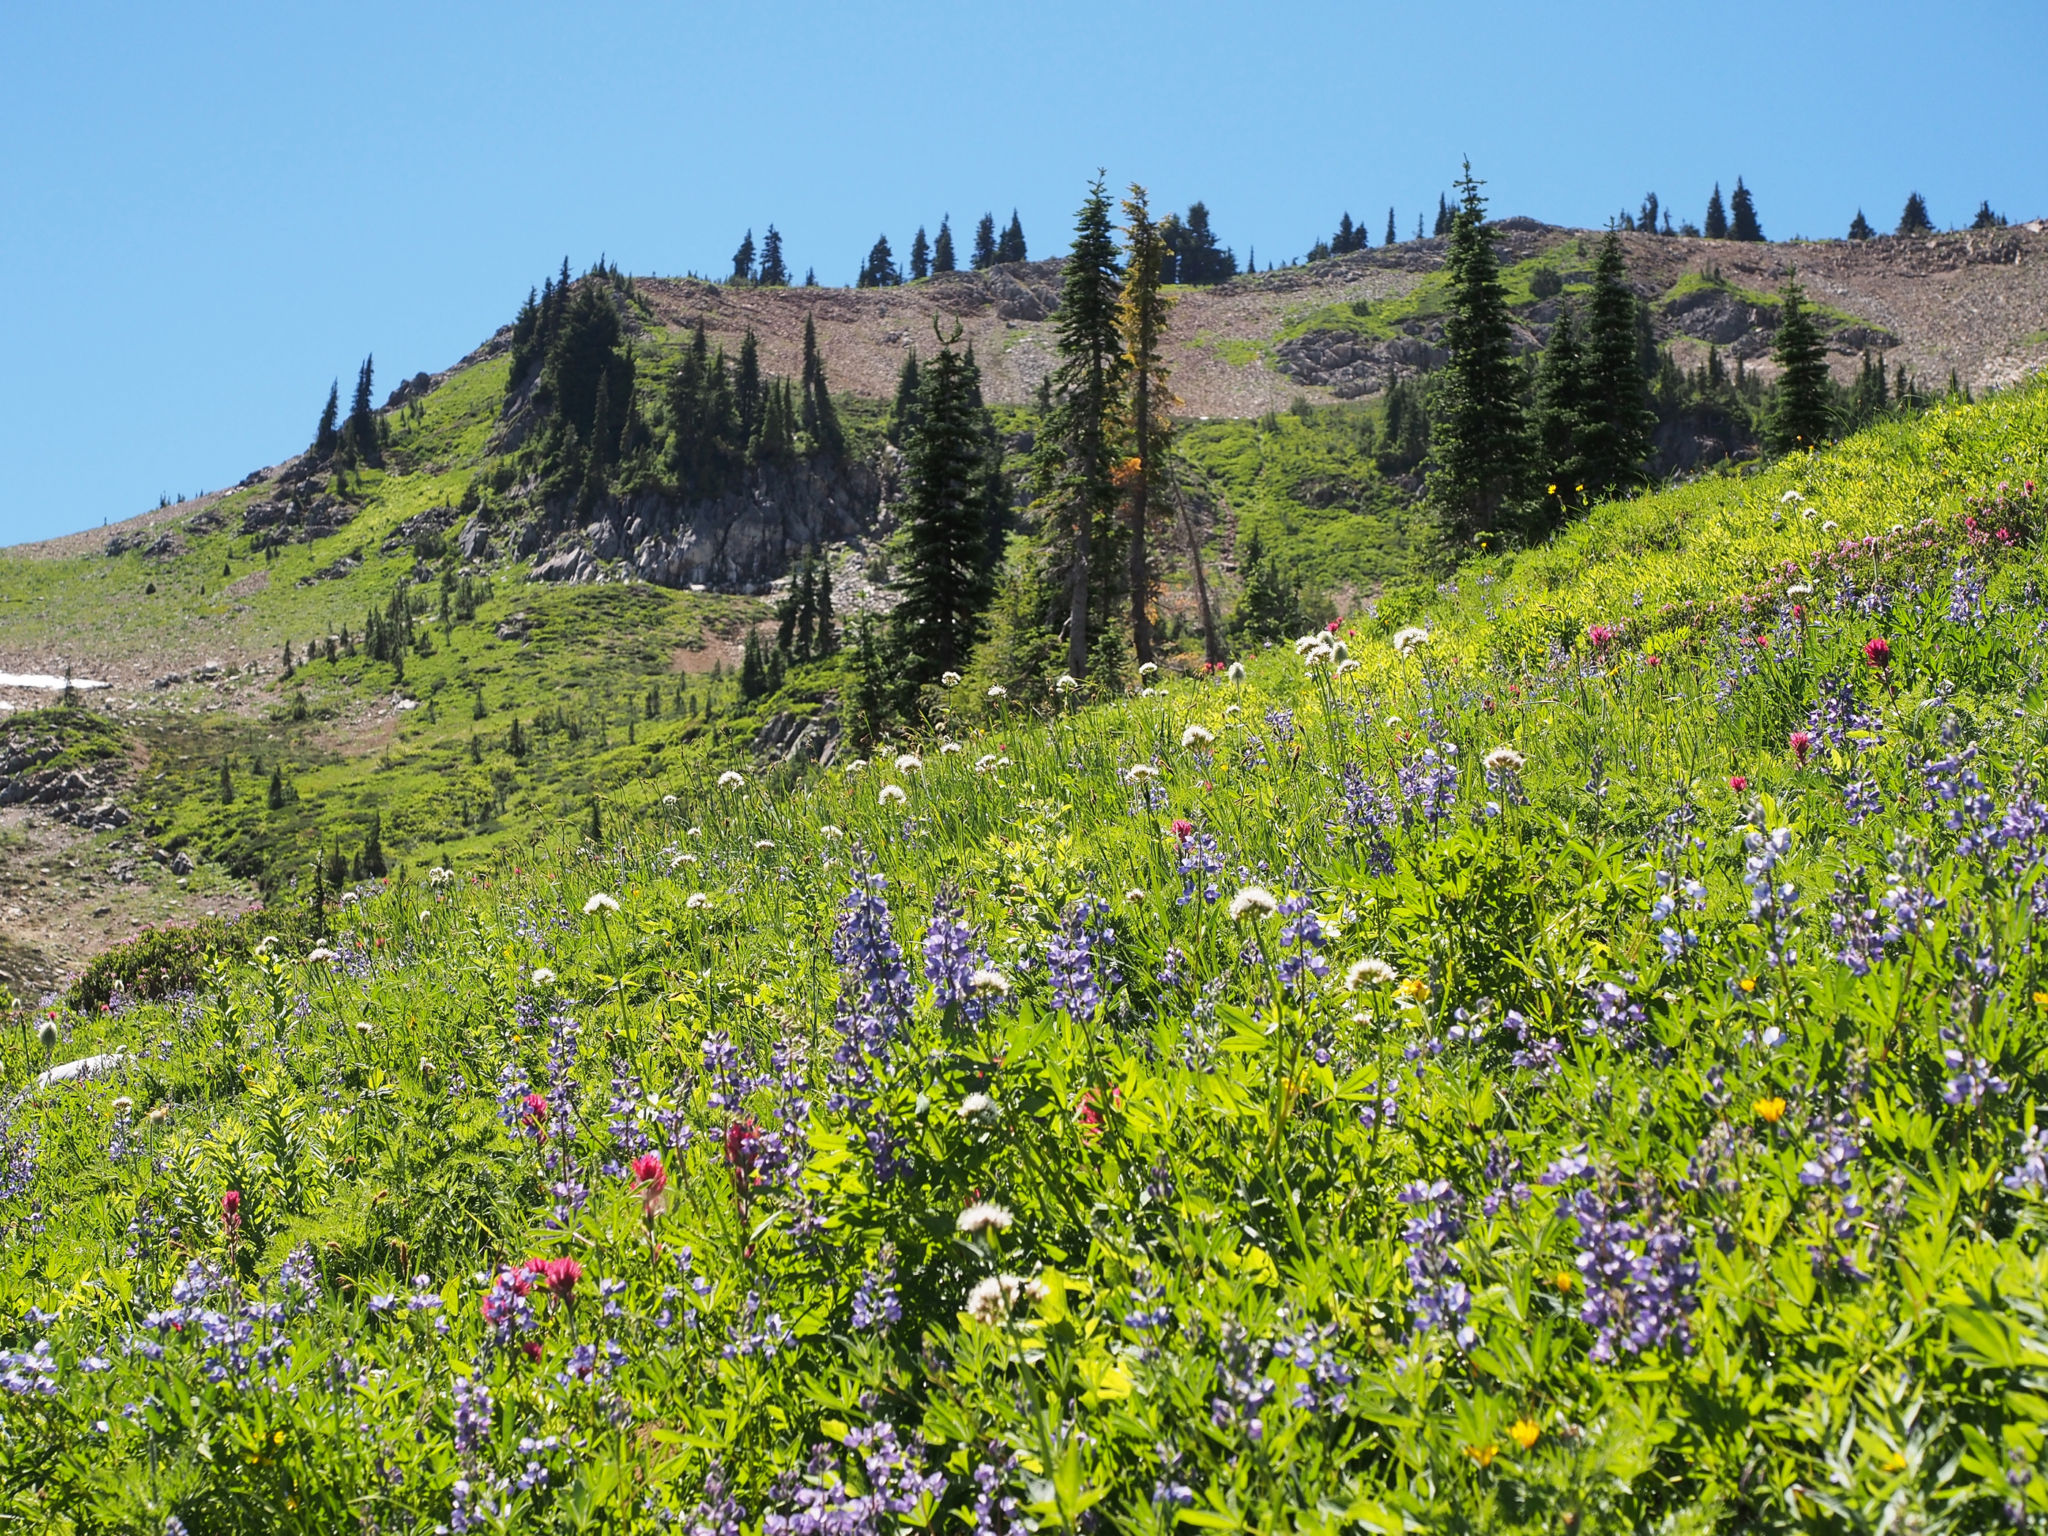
[(1079, 958), (1368, 812), (875, 993), (996, 1506), (1971, 1080), (952, 955), (1200, 862), (1441, 1302), (1614, 1016), (1828, 1168), (830, 1499), (1639, 1279), (717, 1512), (2030, 1173), (1429, 785), (472, 1416), (1301, 942), (875, 1302)]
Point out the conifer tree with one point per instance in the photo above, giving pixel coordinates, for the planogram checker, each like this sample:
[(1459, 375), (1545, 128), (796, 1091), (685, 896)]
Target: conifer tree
[(819, 419), (743, 261), (943, 574), (1076, 468), (1615, 415), (1801, 416), (1478, 436), (1559, 399), (985, 243), (360, 435), (774, 271), (1391, 237), (942, 247), (1444, 217), (1141, 315), (1345, 241), (904, 413), (1742, 222), (1859, 227), (810, 277), (1011, 246), (1269, 602), (1914, 221), (227, 783), (274, 799), (1985, 218), (1199, 259), (327, 436), (1646, 219), (1715, 227), (747, 394), (753, 668), (879, 270), (920, 256)]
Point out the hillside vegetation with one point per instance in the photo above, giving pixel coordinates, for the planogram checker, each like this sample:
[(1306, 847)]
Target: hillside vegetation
[(1564, 1053)]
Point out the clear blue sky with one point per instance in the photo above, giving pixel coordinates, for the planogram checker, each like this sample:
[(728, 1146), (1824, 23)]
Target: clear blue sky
[(209, 211)]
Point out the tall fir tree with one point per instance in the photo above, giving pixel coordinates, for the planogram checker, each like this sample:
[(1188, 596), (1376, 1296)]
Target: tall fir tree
[(920, 256), (1859, 227), (1478, 435), (1392, 238), (1011, 246), (943, 572), (774, 270), (1986, 219), (985, 243), (327, 436), (818, 417), (1715, 226), (743, 261), (879, 270), (1615, 415), (1345, 240), (942, 247), (1742, 220), (908, 406), (1560, 397), (1801, 414), (1198, 258), (360, 434), (1142, 317), (1076, 454), (1915, 221), (1443, 216)]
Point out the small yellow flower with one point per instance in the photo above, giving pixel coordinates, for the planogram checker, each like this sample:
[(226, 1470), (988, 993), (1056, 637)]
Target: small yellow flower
[(1553, 490), (1414, 989), (1483, 1454), (1770, 1110), (2041, 999), (278, 1438), (1895, 1462), (1524, 1432), (1564, 1280), (1748, 983)]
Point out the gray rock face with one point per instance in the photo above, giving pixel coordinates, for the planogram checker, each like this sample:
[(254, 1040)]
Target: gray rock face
[(569, 565), (1349, 366), (791, 738), (298, 519), (474, 542)]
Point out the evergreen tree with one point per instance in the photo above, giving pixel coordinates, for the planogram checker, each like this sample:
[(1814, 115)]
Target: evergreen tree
[(879, 270), (905, 412), (819, 419), (373, 849), (327, 436), (1859, 227), (1742, 224), (1478, 437), (1391, 238), (1346, 240), (1560, 394), (1615, 415), (943, 572), (774, 271), (985, 243), (1011, 246), (1444, 217), (360, 434), (1801, 416), (1914, 221), (1871, 401), (743, 261), (1646, 219), (1986, 219), (920, 256), (1269, 607), (810, 277), (942, 248), (275, 797), (1716, 225), (753, 668), (1198, 259), (867, 698), (746, 392), (1076, 457), (1141, 315), (227, 783)]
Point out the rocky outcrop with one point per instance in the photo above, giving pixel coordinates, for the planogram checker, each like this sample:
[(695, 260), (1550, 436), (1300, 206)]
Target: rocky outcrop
[(1349, 366), (739, 542), (32, 772), (297, 519), (794, 738)]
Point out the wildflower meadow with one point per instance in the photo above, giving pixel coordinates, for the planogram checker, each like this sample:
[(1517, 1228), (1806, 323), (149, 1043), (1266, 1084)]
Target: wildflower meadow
[(1562, 1052)]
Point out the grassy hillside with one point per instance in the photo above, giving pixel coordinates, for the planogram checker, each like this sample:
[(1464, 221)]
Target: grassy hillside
[(1573, 1064)]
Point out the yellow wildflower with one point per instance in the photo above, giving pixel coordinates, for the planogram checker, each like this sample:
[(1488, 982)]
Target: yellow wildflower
[(1524, 1432)]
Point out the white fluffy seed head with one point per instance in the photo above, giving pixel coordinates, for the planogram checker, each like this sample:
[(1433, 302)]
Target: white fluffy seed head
[(599, 902), (984, 1216), (1196, 736), (892, 794), (730, 780), (1252, 901), (1372, 972)]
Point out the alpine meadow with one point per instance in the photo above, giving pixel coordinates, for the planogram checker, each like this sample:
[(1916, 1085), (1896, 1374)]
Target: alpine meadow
[(1081, 886)]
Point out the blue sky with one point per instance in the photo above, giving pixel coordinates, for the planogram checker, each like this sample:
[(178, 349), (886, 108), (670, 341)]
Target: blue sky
[(208, 212)]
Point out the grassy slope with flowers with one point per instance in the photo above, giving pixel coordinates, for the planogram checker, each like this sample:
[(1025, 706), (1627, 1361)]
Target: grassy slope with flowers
[(1668, 1163)]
